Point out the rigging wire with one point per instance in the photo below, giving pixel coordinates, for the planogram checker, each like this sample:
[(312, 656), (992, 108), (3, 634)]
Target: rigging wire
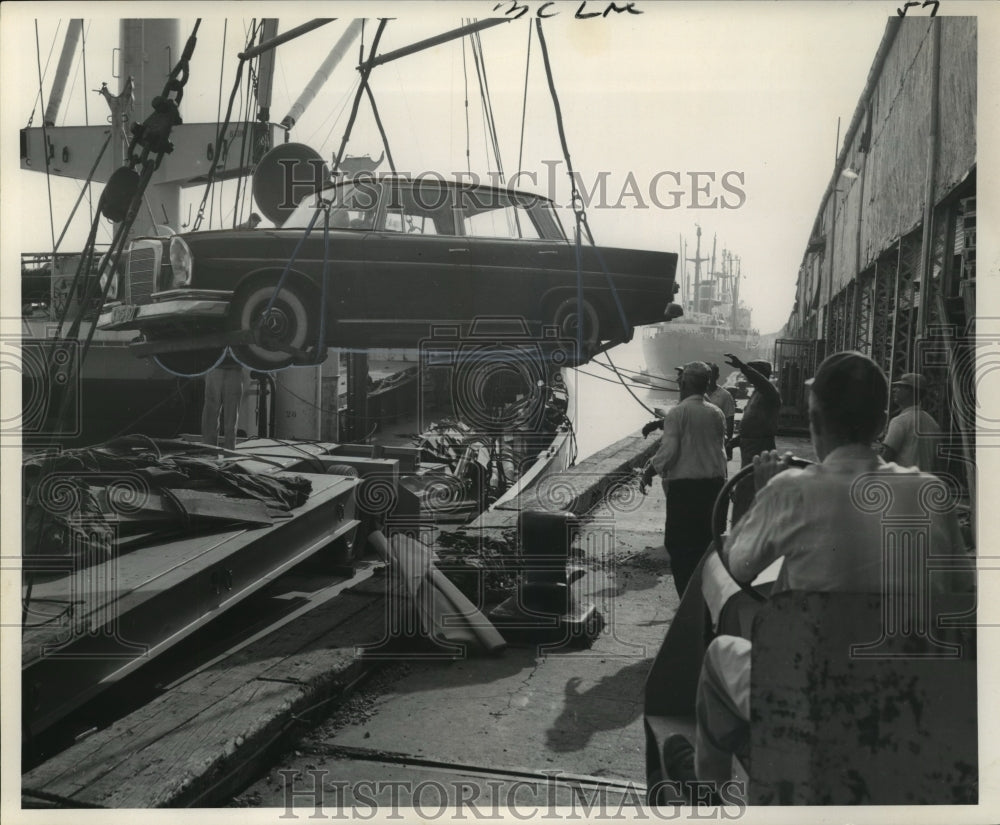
[(484, 95), (38, 97), (524, 104), (45, 137), (489, 106), (336, 114), (218, 112), (465, 75), (86, 105)]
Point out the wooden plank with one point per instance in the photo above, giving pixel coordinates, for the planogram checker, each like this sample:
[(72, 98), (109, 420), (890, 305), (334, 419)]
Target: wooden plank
[(133, 744), (121, 584)]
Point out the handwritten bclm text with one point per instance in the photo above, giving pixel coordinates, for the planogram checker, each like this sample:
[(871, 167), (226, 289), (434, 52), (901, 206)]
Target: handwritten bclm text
[(515, 10)]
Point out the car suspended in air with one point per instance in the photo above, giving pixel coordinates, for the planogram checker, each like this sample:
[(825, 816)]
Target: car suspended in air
[(402, 256)]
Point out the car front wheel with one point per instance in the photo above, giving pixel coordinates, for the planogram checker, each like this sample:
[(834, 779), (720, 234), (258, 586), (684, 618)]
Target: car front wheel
[(280, 329)]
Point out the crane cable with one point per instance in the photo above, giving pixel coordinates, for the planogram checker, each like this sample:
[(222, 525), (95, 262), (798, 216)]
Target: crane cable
[(524, 104), (152, 136), (45, 137), (579, 209), (484, 94), (220, 147)]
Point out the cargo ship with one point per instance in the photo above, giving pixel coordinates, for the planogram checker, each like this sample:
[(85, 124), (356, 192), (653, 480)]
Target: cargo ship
[(715, 321)]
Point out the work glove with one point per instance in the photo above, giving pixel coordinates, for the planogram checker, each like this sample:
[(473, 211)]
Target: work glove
[(656, 424)]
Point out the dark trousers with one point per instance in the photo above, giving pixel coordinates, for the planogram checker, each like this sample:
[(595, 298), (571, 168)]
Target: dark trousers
[(689, 524), (744, 492)]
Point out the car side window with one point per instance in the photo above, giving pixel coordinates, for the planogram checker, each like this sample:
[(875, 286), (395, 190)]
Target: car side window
[(421, 209), (489, 213)]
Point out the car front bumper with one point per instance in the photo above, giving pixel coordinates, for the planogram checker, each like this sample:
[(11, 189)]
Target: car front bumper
[(184, 306)]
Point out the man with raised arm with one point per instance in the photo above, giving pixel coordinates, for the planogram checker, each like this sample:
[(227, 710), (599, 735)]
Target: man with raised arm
[(759, 425)]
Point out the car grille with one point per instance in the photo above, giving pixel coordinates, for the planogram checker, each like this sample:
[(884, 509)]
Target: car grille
[(142, 269)]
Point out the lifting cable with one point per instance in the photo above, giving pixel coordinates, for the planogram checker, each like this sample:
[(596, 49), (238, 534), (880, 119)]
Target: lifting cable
[(524, 104), (365, 70), (221, 149), (578, 208), (45, 137), (153, 137), (86, 107), (48, 60), (484, 95), (465, 75), (218, 115)]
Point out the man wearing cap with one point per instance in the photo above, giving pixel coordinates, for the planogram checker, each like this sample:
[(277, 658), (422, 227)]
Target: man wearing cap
[(912, 436), (692, 465), (811, 519), (759, 424)]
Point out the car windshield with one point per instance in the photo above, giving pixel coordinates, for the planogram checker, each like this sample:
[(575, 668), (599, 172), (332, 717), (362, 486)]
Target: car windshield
[(353, 207)]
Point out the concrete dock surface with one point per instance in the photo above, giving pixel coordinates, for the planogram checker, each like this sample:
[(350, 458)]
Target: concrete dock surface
[(299, 719)]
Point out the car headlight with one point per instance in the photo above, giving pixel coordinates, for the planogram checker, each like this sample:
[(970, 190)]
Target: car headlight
[(180, 262)]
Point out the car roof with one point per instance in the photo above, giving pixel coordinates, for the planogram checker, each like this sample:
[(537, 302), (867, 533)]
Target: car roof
[(399, 177)]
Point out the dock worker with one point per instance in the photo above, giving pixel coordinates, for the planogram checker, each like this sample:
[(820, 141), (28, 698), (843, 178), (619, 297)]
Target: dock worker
[(913, 435), (722, 399), (810, 518), (691, 463), (250, 223), (715, 394), (759, 425), (223, 392)]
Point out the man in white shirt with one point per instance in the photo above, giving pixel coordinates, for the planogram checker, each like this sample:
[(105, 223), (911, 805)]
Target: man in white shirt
[(813, 518), (912, 436), (691, 462)]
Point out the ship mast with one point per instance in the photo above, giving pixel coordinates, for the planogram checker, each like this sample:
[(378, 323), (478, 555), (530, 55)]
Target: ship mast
[(736, 294), (697, 271)]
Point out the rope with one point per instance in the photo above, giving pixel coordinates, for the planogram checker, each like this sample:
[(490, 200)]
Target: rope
[(165, 368), (381, 130), (365, 70), (627, 387)]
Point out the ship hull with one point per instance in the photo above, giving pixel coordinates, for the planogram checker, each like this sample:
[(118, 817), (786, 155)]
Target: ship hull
[(669, 345)]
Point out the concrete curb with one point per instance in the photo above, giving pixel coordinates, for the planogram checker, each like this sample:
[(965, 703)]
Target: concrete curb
[(578, 489)]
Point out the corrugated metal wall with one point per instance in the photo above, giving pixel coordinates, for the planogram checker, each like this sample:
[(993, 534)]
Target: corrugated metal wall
[(885, 201)]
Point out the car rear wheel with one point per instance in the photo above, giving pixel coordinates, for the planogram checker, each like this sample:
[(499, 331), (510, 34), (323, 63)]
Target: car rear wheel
[(567, 318), (288, 325)]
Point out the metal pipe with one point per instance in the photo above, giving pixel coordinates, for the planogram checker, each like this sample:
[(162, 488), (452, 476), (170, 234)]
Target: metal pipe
[(291, 34), (265, 71), (430, 42), (62, 71), (351, 33)]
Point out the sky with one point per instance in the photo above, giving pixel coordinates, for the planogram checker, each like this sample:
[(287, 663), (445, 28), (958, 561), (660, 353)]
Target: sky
[(693, 94)]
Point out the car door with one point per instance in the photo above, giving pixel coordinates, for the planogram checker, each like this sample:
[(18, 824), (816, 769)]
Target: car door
[(417, 268)]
